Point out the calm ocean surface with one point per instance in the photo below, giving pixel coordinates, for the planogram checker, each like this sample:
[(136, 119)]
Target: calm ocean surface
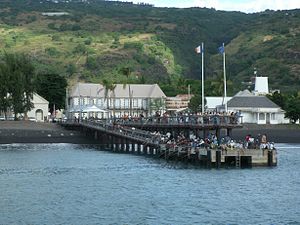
[(75, 184)]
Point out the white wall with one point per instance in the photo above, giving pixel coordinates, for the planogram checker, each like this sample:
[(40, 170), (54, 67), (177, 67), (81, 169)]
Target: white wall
[(248, 117), (279, 119), (39, 106)]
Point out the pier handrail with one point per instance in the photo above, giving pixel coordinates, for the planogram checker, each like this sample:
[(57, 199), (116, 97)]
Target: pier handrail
[(201, 120), (143, 136)]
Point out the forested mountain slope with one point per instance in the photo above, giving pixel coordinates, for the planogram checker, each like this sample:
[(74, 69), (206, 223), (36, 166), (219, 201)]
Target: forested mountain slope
[(99, 40)]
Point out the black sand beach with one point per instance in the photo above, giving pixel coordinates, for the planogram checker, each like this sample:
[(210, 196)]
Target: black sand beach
[(280, 133), (32, 132)]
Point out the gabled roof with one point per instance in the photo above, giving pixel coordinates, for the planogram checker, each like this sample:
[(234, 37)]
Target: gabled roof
[(121, 91), (37, 99), (251, 102), (245, 92), (213, 102)]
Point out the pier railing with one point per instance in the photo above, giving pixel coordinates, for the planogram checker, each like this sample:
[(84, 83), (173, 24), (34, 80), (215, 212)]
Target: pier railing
[(142, 136), (206, 120)]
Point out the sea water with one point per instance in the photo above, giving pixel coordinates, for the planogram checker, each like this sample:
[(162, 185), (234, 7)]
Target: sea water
[(82, 184)]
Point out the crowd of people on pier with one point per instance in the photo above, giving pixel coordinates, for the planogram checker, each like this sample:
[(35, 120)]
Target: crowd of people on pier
[(211, 141), (211, 118), (214, 118)]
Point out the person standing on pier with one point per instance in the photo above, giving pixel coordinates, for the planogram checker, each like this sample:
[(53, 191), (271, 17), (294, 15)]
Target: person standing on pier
[(264, 139)]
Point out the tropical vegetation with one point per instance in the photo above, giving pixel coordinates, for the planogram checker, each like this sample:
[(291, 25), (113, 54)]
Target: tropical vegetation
[(119, 42)]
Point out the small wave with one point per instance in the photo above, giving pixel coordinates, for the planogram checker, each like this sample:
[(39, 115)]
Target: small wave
[(289, 147)]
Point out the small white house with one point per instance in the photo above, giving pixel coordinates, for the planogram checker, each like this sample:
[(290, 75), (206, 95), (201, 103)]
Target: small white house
[(256, 109), (38, 113), (40, 108)]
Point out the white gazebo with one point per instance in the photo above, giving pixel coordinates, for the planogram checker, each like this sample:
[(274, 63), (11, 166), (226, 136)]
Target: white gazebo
[(94, 111)]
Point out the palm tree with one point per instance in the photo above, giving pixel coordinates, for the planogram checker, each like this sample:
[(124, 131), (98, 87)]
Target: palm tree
[(157, 104), (218, 86), (109, 86), (126, 72)]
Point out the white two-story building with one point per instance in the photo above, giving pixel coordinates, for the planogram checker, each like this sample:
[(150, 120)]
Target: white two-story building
[(85, 99)]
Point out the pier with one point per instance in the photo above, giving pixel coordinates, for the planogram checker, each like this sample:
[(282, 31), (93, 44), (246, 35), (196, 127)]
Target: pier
[(149, 137)]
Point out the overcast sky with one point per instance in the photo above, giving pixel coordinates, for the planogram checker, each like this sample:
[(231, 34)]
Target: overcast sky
[(247, 6)]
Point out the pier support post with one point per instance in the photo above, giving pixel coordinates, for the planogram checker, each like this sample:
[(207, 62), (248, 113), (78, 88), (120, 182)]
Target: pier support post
[(122, 145), (205, 133), (187, 133), (270, 158), (111, 141), (134, 148), (218, 159), (139, 148), (145, 149), (127, 145), (208, 163), (218, 133), (117, 143), (229, 132), (105, 139), (173, 133), (151, 150)]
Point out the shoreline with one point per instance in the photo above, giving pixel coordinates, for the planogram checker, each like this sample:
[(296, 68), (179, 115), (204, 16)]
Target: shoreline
[(275, 133), (32, 132)]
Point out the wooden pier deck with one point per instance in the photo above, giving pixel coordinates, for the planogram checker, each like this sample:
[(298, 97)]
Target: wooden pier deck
[(128, 137)]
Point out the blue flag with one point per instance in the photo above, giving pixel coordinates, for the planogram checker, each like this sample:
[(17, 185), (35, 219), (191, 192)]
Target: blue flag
[(221, 49)]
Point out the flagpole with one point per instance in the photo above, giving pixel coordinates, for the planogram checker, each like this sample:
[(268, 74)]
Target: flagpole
[(202, 76), (224, 69)]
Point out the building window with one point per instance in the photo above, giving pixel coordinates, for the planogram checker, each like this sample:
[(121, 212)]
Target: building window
[(76, 101), (117, 103), (262, 116), (273, 116), (105, 102), (99, 102), (140, 103), (135, 103), (126, 102), (145, 104)]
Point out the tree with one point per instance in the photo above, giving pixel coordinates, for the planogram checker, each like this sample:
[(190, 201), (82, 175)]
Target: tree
[(80, 48), (126, 71), (71, 69), (29, 84), (52, 87), (18, 75), (5, 99), (109, 86), (278, 98), (157, 104), (288, 102), (195, 104), (293, 107), (217, 85)]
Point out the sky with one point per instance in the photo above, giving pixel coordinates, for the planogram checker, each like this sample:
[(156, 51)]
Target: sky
[(247, 6)]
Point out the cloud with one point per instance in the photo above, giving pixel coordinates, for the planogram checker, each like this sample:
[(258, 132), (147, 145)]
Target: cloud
[(247, 6)]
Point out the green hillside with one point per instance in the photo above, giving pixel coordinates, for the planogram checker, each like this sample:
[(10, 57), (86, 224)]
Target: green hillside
[(97, 40)]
